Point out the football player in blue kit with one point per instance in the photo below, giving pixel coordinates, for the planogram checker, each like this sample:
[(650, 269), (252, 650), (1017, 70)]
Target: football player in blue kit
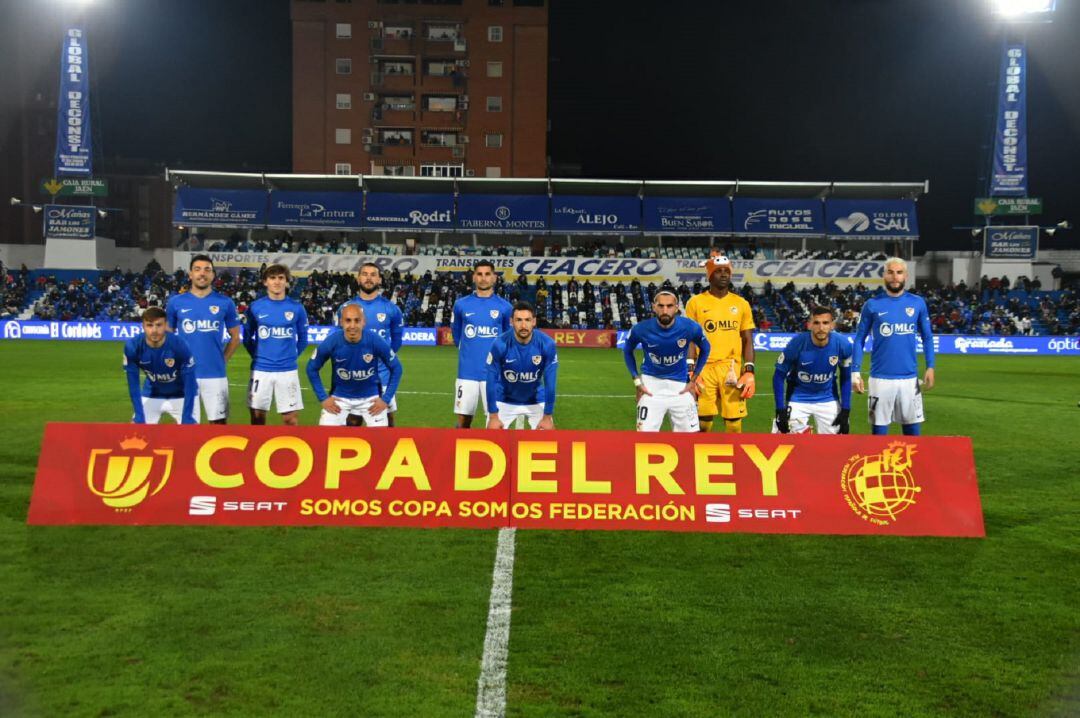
[(662, 388), (804, 381), (166, 361), (381, 316), (201, 317), (894, 317), (522, 368), (357, 393), (275, 334), (478, 320)]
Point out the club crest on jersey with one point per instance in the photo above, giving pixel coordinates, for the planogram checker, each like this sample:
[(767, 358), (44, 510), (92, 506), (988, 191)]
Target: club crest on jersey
[(494, 313), (681, 343), (368, 358), (381, 316), (833, 360), (214, 309), (169, 362), (910, 311), (537, 359), (288, 316), (733, 310)]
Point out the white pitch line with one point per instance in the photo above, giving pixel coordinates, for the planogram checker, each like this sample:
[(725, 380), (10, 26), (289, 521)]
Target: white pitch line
[(491, 686), (561, 395)]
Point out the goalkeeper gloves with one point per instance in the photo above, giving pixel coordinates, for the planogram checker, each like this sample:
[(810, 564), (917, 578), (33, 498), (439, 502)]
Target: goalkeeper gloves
[(783, 416), (841, 420), (747, 384)]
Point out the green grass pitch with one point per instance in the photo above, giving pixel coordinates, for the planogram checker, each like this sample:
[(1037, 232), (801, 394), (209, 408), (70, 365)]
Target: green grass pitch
[(108, 621)]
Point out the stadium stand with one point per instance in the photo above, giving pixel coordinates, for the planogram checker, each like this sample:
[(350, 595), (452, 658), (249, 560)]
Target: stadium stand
[(995, 307)]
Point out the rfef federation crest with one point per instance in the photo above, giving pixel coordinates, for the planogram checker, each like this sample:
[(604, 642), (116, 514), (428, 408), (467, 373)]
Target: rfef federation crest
[(881, 486)]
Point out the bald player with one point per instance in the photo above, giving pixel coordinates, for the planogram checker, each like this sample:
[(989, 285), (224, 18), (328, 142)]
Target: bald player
[(727, 380)]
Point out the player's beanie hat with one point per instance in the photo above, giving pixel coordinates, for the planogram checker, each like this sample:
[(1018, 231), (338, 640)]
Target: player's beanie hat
[(716, 261)]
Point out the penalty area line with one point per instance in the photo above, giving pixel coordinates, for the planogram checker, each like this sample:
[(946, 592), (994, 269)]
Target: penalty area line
[(491, 685)]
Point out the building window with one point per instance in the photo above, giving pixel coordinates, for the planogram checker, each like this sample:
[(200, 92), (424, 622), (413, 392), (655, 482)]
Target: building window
[(493, 139), (492, 172), (494, 69), (342, 168), (343, 65), (344, 31), (343, 136), (442, 170), (344, 101), (494, 104), (495, 33)]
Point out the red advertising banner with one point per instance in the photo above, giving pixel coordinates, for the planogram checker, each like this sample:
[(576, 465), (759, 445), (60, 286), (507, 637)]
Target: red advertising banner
[(330, 476), (596, 338)]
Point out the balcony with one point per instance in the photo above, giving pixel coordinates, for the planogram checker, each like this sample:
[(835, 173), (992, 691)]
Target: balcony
[(392, 81)]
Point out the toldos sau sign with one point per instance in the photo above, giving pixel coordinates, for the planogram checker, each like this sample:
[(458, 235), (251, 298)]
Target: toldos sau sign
[(250, 475)]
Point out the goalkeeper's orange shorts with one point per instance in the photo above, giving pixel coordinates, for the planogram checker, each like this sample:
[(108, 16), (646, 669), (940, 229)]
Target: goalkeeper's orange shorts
[(716, 397)]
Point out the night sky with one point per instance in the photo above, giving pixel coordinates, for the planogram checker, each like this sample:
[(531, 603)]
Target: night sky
[(863, 90)]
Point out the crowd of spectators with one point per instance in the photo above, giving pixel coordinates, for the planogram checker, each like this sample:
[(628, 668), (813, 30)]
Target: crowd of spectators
[(995, 306), (14, 291)]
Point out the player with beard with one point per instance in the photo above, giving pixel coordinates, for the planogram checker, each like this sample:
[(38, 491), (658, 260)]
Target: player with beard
[(478, 320), (894, 318), (662, 388), (804, 381), (521, 371), (727, 380), (381, 316), (201, 316)]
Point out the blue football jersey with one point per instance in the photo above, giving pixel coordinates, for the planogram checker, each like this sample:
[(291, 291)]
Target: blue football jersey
[(811, 372), (169, 371), (665, 349), (275, 333), (522, 373), (355, 367), (202, 323), (477, 323), (894, 322), (381, 316)]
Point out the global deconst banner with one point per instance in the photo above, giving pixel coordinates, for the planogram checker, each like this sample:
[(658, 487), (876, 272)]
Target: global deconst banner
[(749, 483)]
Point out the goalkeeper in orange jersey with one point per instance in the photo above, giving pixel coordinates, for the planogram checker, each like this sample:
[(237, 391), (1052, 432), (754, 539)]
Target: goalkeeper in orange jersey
[(727, 380)]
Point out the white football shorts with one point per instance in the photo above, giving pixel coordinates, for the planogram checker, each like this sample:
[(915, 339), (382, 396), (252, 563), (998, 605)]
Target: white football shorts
[(214, 396), (468, 393), (822, 412), (281, 386), (898, 400), (666, 400), (508, 413), (153, 408), (355, 407)]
